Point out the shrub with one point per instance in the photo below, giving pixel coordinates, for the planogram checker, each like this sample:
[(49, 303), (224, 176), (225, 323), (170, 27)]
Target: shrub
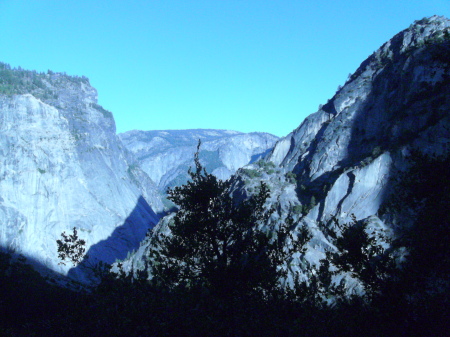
[(291, 177), (251, 173)]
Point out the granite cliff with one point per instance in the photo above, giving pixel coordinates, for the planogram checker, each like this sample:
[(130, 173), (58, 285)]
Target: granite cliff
[(167, 155), (62, 166), (344, 159)]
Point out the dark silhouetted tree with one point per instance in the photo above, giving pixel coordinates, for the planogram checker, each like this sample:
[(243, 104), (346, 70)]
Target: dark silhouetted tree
[(71, 248), (364, 254), (218, 243)]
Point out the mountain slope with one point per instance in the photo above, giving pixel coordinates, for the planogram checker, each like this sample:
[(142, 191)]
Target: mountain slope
[(397, 100), (167, 155), (346, 158), (62, 166)]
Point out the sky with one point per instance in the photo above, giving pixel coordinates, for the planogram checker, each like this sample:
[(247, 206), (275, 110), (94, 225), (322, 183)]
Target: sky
[(244, 65)]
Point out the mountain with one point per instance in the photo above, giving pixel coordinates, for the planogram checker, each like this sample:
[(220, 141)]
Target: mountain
[(346, 158), (62, 166), (166, 156), (396, 102)]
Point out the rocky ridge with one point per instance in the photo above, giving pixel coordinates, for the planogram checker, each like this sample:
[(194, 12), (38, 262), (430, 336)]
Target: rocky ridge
[(62, 166), (166, 156), (343, 159)]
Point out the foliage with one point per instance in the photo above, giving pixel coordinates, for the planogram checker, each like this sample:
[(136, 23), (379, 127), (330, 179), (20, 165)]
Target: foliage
[(364, 254), (103, 111), (423, 195), (266, 166), (297, 209), (376, 151), (313, 202), (217, 243), (17, 81), (411, 301), (291, 177), (251, 173), (71, 248), (29, 304)]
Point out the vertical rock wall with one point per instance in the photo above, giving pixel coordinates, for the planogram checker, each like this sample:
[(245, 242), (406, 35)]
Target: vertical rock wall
[(62, 166)]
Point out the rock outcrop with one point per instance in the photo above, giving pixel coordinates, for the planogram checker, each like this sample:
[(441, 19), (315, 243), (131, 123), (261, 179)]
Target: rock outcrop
[(396, 101), (344, 158), (62, 166), (166, 156)]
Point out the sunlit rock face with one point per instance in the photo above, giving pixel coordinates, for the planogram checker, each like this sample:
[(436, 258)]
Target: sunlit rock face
[(347, 155), (166, 156), (344, 158), (62, 166)]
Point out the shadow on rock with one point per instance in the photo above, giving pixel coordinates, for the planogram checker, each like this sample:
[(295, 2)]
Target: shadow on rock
[(122, 241)]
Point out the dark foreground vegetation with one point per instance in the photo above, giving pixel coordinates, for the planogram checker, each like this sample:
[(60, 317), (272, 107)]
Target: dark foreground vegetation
[(32, 307), (209, 294)]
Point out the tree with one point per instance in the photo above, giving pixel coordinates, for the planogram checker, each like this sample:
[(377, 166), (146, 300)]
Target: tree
[(364, 255), (71, 248), (218, 242)]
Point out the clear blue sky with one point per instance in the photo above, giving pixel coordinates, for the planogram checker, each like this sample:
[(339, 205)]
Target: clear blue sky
[(246, 65)]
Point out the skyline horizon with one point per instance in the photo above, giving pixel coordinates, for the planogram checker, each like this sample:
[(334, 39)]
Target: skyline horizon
[(249, 66)]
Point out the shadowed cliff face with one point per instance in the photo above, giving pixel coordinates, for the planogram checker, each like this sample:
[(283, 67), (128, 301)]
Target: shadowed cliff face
[(403, 106), (349, 154), (62, 166), (123, 241), (345, 158)]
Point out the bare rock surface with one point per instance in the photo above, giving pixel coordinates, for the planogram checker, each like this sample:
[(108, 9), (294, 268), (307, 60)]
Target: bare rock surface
[(62, 166), (344, 158), (166, 156)]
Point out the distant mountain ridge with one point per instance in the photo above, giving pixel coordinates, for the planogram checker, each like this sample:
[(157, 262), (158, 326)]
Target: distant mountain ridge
[(167, 155)]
